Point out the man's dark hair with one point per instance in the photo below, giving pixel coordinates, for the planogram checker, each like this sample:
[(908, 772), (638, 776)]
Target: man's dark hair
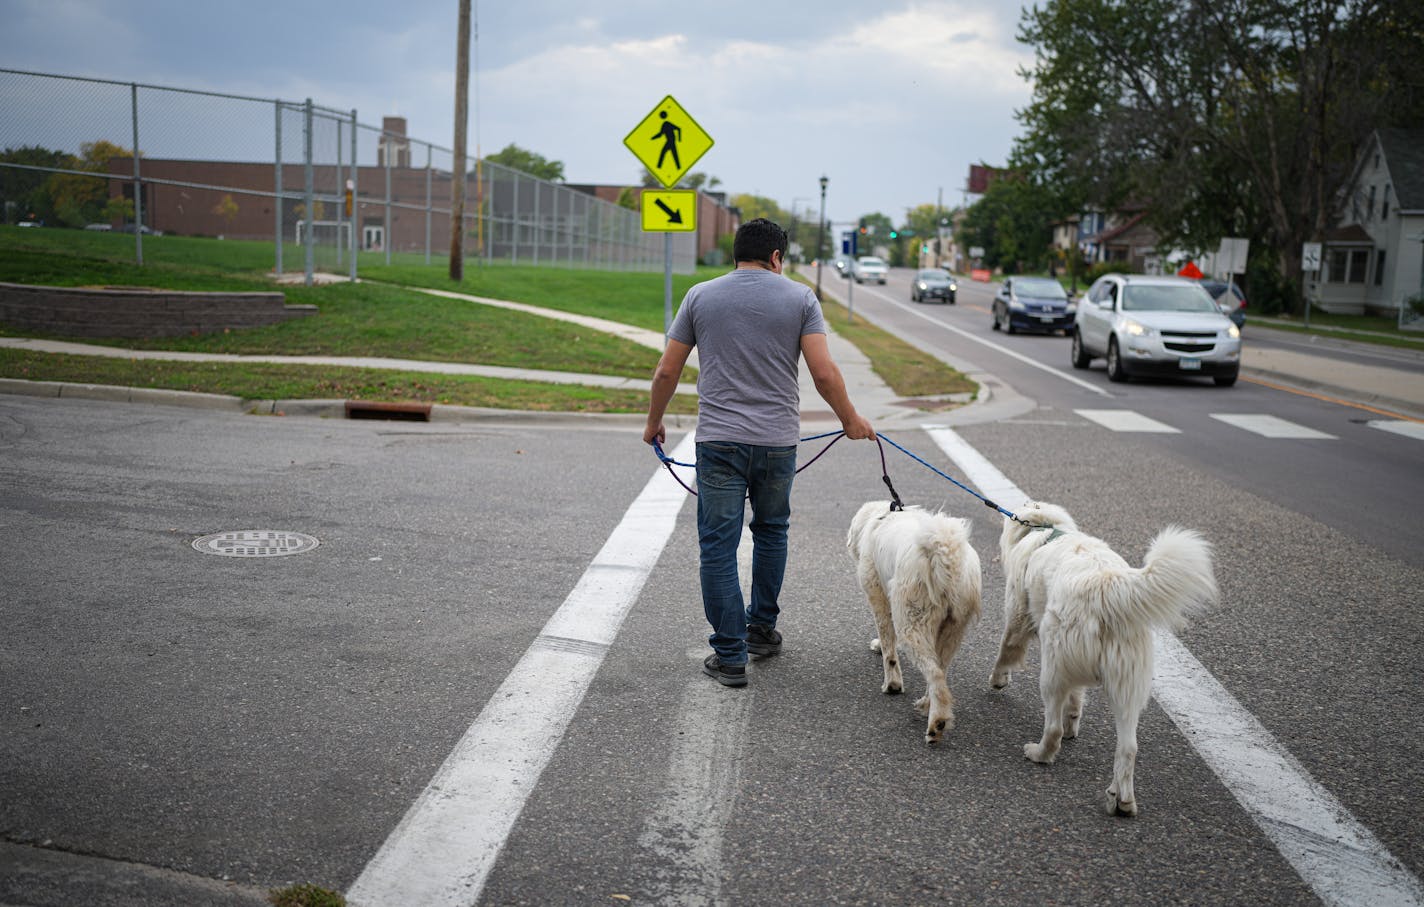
[(757, 239)]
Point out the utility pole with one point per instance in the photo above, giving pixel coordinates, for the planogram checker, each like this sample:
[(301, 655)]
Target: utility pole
[(457, 169), (821, 237)]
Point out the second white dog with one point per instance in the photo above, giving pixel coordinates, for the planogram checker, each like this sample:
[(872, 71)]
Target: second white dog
[(922, 580), (1094, 615)]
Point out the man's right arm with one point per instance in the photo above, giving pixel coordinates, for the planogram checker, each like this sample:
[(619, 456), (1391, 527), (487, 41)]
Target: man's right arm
[(830, 384), (665, 379)]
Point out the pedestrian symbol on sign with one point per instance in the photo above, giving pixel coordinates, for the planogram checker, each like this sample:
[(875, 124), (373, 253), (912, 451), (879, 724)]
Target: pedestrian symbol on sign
[(668, 142), (670, 135)]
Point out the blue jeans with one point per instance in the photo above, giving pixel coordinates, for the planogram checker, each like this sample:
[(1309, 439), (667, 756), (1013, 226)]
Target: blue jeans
[(727, 475)]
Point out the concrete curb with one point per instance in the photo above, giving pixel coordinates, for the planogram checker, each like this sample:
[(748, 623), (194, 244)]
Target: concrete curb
[(1354, 397)]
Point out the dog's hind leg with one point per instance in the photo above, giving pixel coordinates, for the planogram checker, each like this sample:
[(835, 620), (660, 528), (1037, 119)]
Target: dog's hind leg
[(1127, 692), (1018, 630), (1056, 695), (885, 643), (1121, 797), (1073, 714), (937, 704)]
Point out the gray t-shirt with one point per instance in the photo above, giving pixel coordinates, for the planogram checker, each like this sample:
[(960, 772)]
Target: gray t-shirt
[(747, 327)]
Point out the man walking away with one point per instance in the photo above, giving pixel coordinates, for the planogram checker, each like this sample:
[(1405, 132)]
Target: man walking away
[(750, 326)]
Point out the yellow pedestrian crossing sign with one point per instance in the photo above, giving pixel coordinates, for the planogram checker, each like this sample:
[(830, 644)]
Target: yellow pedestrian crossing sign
[(668, 141), (669, 210)]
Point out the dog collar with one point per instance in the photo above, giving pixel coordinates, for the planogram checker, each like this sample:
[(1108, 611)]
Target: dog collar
[(1053, 534)]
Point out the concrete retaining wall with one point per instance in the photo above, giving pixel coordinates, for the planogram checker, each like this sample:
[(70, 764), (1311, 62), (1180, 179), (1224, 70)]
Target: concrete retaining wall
[(129, 312)]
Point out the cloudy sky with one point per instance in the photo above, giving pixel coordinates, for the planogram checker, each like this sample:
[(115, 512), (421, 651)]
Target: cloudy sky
[(891, 100)]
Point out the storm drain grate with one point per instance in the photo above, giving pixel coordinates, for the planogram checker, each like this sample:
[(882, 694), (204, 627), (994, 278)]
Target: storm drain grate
[(255, 543)]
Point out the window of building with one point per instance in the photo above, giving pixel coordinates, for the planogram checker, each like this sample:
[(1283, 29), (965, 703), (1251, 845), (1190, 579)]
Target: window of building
[(1359, 261), (1339, 261), (1384, 203), (1370, 208), (1379, 267)]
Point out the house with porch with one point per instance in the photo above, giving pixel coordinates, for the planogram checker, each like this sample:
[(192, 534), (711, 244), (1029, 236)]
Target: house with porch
[(1372, 260)]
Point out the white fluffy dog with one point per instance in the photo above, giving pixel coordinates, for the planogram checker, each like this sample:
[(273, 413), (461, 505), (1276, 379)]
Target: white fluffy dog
[(922, 579), (1094, 615)]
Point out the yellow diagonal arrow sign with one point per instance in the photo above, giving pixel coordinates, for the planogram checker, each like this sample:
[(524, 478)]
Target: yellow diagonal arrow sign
[(669, 210)]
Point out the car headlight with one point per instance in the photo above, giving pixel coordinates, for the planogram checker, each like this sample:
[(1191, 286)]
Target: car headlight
[(922, 286), (1016, 305), (1233, 332), (1137, 329), (953, 287), (1070, 309)]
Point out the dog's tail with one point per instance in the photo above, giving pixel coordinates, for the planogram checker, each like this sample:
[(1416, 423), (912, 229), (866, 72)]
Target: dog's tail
[(948, 567), (1177, 579)]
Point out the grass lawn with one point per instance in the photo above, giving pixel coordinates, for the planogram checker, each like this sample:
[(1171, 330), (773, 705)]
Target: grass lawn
[(376, 317), (261, 381)]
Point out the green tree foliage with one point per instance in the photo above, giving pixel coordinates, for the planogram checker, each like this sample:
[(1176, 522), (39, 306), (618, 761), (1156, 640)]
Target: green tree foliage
[(1234, 117), (23, 194), (79, 200), (516, 158), (754, 206), (227, 209), (1013, 222)]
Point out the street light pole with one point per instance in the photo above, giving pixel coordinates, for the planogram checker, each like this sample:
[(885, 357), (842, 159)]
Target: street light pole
[(821, 237)]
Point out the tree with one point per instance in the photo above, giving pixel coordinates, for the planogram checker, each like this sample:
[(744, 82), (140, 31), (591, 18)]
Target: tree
[(79, 200), (1013, 222), (119, 209), (23, 193), (516, 158), (1233, 117), (226, 209), (754, 206)]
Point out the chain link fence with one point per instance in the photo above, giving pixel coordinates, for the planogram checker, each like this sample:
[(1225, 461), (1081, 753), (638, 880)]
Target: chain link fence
[(327, 191)]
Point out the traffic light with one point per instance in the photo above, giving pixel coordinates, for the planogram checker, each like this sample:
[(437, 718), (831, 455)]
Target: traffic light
[(893, 234)]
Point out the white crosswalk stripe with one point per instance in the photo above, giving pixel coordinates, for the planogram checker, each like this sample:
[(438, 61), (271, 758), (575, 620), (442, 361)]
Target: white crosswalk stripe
[(1126, 420), (1399, 427), (1269, 426)]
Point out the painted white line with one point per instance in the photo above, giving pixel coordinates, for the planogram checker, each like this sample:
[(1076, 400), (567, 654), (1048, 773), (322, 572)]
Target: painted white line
[(1400, 427), (1340, 859), (1337, 856), (1269, 426), (444, 848), (685, 836), (1061, 375), (1126, 420)]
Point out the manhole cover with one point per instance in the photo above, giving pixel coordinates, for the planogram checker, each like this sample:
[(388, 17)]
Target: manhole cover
[(255, 543)]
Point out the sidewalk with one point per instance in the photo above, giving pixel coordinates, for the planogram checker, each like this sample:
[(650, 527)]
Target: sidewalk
[(1398, 390)]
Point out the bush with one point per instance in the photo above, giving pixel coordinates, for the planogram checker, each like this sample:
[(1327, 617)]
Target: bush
[(1107, 267)]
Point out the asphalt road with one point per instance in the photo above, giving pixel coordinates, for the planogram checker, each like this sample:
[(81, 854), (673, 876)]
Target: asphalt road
[(182, 728)]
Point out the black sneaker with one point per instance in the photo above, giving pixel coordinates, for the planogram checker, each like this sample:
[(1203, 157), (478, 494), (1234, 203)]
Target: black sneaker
[(727, 675), (763, 640)]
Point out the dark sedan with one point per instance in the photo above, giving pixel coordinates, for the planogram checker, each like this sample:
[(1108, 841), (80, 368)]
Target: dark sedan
[(1033, 304), (931, 284)]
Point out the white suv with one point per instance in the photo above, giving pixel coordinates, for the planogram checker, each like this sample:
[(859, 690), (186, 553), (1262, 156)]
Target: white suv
[(868, 267), (1155, 326)]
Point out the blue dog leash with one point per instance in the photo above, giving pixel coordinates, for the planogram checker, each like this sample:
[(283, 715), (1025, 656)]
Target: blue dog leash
[(895, 503)]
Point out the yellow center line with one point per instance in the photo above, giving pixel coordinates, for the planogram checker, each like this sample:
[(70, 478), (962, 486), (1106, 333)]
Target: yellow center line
[(1315, 396)]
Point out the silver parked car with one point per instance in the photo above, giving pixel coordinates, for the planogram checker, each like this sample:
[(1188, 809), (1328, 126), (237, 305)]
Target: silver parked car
[(1155, 326)]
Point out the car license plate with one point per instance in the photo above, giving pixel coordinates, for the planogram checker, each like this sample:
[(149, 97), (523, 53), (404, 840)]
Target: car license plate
[(1189, 364), (1048, 318)]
